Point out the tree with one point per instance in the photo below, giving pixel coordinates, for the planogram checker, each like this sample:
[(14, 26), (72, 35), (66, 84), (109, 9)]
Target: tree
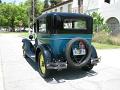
[(98, 21), (21, 17), (46, 5), (54, 2), (5, 13), (0, 1), (37, 9), (12, 15)]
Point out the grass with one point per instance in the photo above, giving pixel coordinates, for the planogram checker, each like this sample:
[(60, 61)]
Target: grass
[(104, 40), (21, 34), (104, 46), (25, 34)]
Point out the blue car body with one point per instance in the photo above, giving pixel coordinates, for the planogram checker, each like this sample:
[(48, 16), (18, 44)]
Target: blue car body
[(58, 42), (64, 39)]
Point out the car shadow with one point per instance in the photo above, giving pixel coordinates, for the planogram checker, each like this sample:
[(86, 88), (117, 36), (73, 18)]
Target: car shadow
[(69, 74), (32, 63), (63, 75)]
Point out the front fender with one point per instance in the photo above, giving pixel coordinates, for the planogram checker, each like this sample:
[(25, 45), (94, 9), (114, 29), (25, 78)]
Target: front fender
[(27, 46)]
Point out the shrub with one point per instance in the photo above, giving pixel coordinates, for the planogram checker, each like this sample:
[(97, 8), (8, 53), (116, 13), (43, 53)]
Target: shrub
[(101, 37), (106, 38), (115, 40), (97, 21)]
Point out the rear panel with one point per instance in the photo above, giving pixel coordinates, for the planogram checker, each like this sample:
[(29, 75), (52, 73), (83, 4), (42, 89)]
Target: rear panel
[(58, 42)]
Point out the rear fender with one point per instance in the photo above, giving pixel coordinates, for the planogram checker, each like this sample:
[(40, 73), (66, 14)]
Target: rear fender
[(94, 52), (46, 52)]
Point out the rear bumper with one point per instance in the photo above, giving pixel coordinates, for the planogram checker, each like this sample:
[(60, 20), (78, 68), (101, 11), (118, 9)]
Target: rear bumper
[(63, 65), (94, 61), (57, 65)]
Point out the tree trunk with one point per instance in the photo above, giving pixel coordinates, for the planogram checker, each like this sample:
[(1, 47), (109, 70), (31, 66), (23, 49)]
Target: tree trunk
[(12, 24)]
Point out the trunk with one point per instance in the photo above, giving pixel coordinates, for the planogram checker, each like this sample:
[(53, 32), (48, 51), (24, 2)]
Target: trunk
[(12, 24)]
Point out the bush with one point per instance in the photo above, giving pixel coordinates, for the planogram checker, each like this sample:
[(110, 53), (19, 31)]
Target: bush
[(106, 38), (115, 40), (101, 37)]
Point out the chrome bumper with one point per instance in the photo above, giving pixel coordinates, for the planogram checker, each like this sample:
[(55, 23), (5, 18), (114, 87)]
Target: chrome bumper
[(57, 65), (94, 61), (63, 65)]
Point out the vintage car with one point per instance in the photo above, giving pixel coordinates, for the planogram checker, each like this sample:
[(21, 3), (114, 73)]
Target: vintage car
[(61, 41)]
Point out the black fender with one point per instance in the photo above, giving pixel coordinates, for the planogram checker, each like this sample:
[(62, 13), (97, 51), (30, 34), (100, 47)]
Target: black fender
[(94, 52), (94, 56), (27, 46), (46, 52)]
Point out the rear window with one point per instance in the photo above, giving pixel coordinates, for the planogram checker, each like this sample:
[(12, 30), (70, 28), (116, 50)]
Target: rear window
[(76, 24)]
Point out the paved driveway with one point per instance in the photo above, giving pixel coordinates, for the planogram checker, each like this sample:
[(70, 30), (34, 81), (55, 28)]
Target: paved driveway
[(17, 73)]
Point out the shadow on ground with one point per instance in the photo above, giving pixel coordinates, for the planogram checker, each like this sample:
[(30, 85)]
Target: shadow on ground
[(63, 75)]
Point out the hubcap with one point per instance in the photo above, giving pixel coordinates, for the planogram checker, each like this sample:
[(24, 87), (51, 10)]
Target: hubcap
[(42, 64)]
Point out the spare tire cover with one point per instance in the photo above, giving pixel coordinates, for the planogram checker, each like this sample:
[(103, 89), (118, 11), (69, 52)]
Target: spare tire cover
[(68, 53)]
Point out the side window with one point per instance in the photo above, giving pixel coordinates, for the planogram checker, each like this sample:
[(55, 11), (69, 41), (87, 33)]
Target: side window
[(42, 27)]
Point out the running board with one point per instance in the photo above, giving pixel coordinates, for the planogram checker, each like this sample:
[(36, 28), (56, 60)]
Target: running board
[(31, 56), (94, 61)]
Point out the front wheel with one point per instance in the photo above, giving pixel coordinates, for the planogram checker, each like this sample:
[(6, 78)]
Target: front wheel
[(44, 72)]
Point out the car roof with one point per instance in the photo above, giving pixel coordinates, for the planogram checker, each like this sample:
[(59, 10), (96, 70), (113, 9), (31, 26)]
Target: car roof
[(64, 14)]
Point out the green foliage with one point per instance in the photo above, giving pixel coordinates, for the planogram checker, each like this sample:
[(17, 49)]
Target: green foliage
[(97, 18), (101, 37), (46, 4), (12, 15), (115, 40), (98, 22), (104, 46), (54, 2), (105, 38), (37, 9)]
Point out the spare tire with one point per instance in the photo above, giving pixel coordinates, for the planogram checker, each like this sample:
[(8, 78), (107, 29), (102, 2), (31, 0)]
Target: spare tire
[(69, 55)]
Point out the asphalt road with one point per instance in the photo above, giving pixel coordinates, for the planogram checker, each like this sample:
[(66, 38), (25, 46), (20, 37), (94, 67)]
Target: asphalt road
[(17, 73)]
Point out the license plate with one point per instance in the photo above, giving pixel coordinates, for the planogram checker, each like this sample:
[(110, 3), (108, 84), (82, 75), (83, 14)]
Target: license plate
[(79, 51)]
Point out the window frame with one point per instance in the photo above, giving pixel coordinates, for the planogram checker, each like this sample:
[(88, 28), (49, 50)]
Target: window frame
[(89, 26), (40, 22), (73, 23)]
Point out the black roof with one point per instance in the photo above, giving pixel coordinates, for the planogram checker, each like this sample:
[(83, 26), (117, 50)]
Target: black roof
[(64, 14)]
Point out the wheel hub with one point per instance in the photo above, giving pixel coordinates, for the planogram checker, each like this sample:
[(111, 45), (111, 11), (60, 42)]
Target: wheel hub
[(42, 64)]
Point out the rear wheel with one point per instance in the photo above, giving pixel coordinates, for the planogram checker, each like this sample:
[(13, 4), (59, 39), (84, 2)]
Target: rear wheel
[(44, 72)]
